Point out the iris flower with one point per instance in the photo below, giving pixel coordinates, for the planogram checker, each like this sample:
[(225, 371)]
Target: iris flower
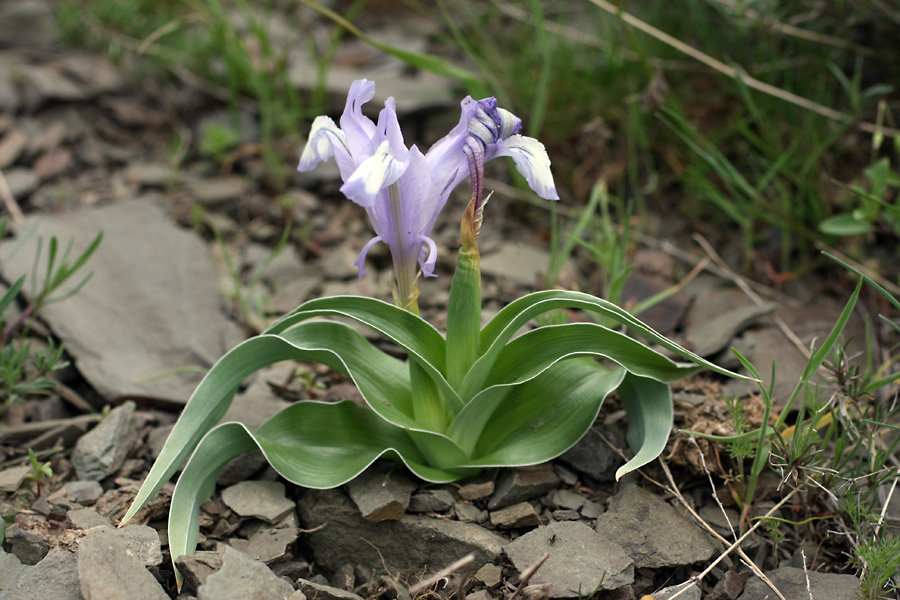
[(403, 190)]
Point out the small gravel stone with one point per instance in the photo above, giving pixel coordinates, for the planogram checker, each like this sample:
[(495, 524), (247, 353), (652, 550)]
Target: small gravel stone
[(591, 509), (85, 518), (468, 513), (564, 498), (476, 491), (431, 501), (271, 545), (12, 479), (565, 514), (197, 567), (263, 500), (101, 451), (242, 578), (523, 483), (84, 493), (515, 516), (28, 547), (490, 575), (381, 493), (108, 570), (324, 592)]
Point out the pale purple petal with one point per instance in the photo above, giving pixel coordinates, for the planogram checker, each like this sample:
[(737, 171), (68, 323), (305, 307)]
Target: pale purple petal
[(531, 161), (359, 129), (388, 128), (373, 175), (428, 256), (446, 159), (360, 262), (326, 140)]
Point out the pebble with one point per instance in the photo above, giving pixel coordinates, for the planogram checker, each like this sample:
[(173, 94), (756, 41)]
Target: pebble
[(490, 575), (476, 491), (469, 513), (580, 561), (523, 483), (242, 578), (197, 567), (11, 147), (28, 547), (431, 501), (652, 532), (100, 452), (324, 592), (218, 190), (85, 518), (263, 500), (591, 509), (518, 515), (792, 583), (108, 569), (270, 545), (564, 498), (21, 182), (11, 479), (54, 577), (84, 493), (381, 493)]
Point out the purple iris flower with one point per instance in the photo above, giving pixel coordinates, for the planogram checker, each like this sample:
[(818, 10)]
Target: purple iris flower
[(403, 190)]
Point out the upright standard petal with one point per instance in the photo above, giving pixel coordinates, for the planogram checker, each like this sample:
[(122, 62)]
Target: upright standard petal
[(358, 128)]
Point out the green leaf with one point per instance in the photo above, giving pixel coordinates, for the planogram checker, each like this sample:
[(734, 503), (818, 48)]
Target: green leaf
[(515, 315), (11, 293), (409, 331), (846, 224), (540, 421), (650, 418)]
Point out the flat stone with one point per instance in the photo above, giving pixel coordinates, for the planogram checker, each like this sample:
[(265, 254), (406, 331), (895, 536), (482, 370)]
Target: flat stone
[(414, 542), (431, 501), (523, 483), (53, 163), (151, 174), (791, 582), (56, 577), (651, 531), (469, 513), (523, 264), (593, 457), (710, 335), (263, 500), (197, 567), (242, 578), (142, 542), (729, 587), (515, 516), (11, 479), (489, 575), (220, 189), (28, 547), (691, 593), (476, 491), (84, 493), (10, 568), (11, 147), (108, 570), (270, 545), (591, 509), (564, 498), (156, 295), (85, 518), (381, 492), (581, 560), (324, 592), (94, 73), (100, 452), (21, 182), (565, 514)]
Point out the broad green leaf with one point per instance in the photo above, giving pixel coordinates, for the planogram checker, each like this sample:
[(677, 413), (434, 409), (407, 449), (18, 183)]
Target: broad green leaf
[(410, 332), (382, 380), (546, 416), (650, 417), (515, 315), (529, 355), (312, 444)]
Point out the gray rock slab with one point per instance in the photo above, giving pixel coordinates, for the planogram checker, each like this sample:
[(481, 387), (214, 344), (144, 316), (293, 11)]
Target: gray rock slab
[(791, 583), (684, 591), (85, 518), (28, 547), (581, 560), (263, 500), (593, 457), (381, 494), (197, 567), (521, 263), (100, 452), (12, 478), (142, 542), (56, 577), (152, 304), (10, 568), (21, 182), (108, 570), (710, 335), (523, 483), (242, 578), (651, 531), (431, 501), (414, 542), (271, 545)]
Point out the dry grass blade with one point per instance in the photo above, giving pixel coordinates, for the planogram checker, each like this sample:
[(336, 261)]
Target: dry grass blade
[(465, 561)]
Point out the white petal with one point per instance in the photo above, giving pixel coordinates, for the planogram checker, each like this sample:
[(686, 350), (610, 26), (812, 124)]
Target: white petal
[(531, 161), (373, 175), (326, 140)]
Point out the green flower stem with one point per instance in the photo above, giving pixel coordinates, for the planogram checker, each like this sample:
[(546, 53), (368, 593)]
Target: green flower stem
[(464, 308)]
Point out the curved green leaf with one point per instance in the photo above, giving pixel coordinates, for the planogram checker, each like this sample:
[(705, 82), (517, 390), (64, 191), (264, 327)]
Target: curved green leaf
[(650, 418), (515, 315), (382, 380), (529, 355), (410, 332), (546, 416), (312, 444)]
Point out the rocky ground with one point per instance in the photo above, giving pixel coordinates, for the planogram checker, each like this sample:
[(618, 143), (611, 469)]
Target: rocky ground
[(88, 145)]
